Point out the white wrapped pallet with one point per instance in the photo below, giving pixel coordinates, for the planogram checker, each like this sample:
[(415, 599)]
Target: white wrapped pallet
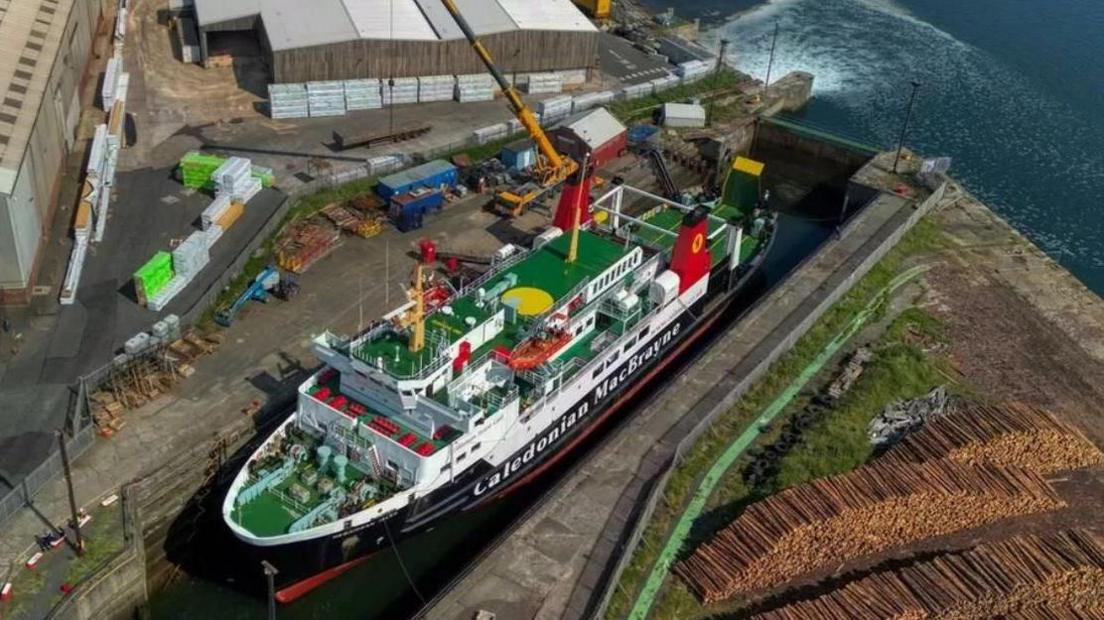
[(634, 91), (591, 100), (399, 91), (326, 98), (363, 95), (573, 77), (664, 83), (288, 100), (245, 192), (384, 163), (489, 134), (111, 81), (234, 177), (173, 288), (211, 235), (73, 272), (436, 88), (191, 256), (475, 87), (555, 106), (542, 83), (214, 211)]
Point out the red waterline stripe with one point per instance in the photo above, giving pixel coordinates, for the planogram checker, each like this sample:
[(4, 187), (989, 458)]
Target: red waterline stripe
[(298, 589), (612, 408)]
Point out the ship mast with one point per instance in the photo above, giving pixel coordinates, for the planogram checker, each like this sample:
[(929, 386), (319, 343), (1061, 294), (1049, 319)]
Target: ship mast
[(573, 253), (417, 313)]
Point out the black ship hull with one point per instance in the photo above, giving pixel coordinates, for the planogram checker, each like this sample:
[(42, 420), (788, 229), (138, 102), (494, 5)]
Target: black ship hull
[(307, 564)]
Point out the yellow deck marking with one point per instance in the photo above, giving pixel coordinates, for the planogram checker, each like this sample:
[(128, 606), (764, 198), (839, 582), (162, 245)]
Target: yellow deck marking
[(531, 301)]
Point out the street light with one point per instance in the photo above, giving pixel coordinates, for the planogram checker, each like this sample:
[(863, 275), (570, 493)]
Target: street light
[(270, 572), (904, 128)]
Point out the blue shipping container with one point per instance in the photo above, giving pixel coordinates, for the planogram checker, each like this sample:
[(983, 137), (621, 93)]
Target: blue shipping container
[(408, 210), (519, 155), (642, 133), (430, 174)]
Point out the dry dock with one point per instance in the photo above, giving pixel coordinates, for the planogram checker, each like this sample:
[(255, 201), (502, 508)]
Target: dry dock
[(558, 559)]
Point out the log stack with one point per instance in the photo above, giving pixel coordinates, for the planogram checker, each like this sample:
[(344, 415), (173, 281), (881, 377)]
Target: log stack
[(1011, 434), (873, 508), (1054, 576)]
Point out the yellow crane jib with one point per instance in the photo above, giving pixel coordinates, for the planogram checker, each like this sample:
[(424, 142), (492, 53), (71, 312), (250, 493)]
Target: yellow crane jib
[(553, 167)]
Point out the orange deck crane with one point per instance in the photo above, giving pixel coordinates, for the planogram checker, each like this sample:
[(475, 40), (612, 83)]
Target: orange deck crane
[(551, 168)]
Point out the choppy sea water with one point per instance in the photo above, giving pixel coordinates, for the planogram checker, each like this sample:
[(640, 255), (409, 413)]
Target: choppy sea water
[(1012, 90)]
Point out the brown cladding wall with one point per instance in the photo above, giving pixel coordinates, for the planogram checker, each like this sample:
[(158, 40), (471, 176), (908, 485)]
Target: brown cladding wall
[(522, 52)]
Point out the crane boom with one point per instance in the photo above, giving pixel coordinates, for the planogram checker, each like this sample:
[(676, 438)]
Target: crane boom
[(559, 167)]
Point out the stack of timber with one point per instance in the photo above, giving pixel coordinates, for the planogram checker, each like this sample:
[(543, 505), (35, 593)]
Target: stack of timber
[(1010, 434), (1054, 576), (139, 379), (304, 243), (353, 222), (840, 518)]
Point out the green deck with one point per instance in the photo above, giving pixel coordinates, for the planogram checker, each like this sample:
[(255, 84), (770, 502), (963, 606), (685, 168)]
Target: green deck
[(546, 269)]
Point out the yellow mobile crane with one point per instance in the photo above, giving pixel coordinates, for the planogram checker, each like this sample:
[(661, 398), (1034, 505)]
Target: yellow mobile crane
[(552, 168)]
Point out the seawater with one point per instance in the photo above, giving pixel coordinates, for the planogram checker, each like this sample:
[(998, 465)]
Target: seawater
[(1012, 90)]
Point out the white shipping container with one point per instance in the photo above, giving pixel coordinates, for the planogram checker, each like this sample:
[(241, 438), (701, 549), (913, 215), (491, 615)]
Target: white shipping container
[(683, 115)]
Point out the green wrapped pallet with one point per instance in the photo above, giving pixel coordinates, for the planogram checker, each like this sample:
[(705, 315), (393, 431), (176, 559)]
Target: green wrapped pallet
[(196, 169), (153, 276), (266, 176)]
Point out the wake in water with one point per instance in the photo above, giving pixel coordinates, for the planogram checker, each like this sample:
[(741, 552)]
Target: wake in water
[(1029, 155)]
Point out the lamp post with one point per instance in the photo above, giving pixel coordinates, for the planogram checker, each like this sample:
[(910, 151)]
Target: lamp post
[(74, 514), (270, 572), (770, 61), (904, 127)]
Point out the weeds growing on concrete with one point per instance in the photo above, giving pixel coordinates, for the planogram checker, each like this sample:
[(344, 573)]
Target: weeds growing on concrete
[(923, 239)]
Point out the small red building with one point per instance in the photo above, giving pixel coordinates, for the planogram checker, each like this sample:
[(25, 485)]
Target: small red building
[(595, 132)]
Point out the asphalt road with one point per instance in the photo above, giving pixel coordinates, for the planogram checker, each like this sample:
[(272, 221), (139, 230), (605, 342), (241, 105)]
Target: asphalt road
[(151, 210)]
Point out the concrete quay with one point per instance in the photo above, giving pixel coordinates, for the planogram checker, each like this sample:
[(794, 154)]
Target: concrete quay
[(557, 562)]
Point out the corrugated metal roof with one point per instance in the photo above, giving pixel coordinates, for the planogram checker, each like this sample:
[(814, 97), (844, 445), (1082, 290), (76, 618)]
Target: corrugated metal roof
[(294, 23), (31, 32), (483, 16), (595, 127), (389, 19), (546, 15)]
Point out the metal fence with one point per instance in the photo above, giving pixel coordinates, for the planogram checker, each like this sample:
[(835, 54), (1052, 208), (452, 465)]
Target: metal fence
[(649, 500), (47, 471)]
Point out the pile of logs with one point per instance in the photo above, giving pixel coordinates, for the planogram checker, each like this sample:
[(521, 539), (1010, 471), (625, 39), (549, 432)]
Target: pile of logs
[(876, 507), (1007, 435), (1053, 576)]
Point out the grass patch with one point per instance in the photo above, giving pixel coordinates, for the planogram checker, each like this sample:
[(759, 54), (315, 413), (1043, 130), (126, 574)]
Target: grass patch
[(924, 238), (835, 444), (719, 84)]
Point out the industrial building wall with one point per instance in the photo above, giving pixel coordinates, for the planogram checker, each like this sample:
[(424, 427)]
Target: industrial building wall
[(24, 214), (520, 52)]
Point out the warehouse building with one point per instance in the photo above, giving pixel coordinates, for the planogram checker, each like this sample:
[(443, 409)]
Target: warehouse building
[(44, 49), (353, 39)]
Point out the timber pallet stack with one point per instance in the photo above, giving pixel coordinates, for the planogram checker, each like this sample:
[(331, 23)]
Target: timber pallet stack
[(353, 222), (145, 378), (304, 243), (1054, 576)]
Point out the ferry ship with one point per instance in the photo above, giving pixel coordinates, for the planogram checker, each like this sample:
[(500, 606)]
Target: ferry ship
[(472, 389)]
